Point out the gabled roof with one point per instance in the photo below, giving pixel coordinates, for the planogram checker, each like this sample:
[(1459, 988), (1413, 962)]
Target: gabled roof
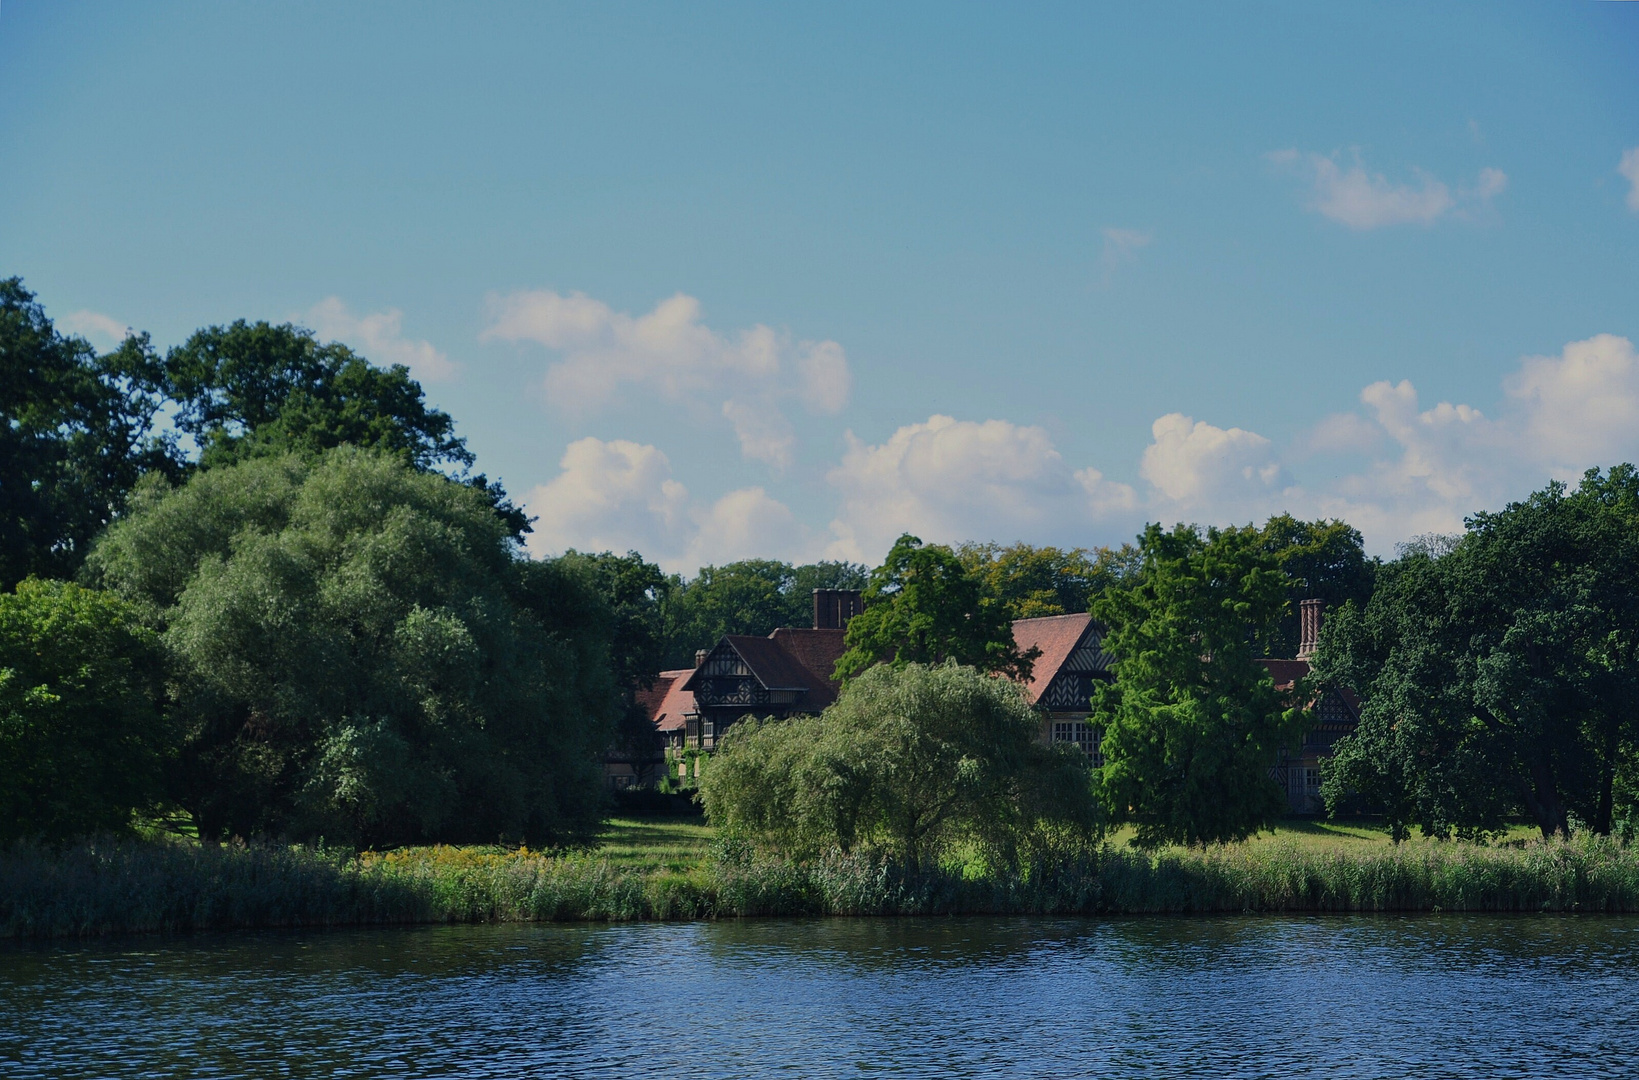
[(1057, 637), (673, 701), (818, 652), (790, 658)]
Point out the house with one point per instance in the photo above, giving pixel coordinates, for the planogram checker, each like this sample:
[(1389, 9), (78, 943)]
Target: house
[(787, 673), (1062, 677), (1337, 713)]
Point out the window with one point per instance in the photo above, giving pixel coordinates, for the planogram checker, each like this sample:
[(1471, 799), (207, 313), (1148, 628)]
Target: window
[(1082, 734)]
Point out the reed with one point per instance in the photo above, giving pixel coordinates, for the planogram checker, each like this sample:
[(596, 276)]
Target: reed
[(132, 886)]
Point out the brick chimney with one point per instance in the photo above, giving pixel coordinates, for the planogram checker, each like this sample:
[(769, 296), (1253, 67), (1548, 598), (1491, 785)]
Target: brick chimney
[(834, 607), (1310, 613)]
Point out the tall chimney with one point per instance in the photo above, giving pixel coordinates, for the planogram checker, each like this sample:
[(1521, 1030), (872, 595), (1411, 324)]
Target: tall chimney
[(1310, 612), (834, 607), (700, 656)]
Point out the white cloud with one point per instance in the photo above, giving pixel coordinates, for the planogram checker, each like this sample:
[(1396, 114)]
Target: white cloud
[(949, 480), (379, 336), (1581, 406), (745, 376), (99, 329), (1197, 466), (620, 495), (1120, 246), (1363, 200), (1629, 168)]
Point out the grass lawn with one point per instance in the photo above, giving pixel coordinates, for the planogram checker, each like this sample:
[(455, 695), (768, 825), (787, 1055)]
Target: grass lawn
[(665, 843), (680, 843)]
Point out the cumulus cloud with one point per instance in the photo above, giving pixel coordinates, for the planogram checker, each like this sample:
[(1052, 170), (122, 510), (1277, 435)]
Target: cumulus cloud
[(1629, 168), (99, 329), (1581, 406), (379, 336), (950, 480), (745, 376), (1196, 465), (1362, 200), (621, 495)]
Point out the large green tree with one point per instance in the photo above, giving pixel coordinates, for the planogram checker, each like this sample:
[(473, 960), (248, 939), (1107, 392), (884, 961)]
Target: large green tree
[(361, 655), (76, 431), (1035, 581), (752, 596), (1324, 560), (635, 592), (1192, 722), (923, 606), (83, 743), (1501, 673), (913, 760)]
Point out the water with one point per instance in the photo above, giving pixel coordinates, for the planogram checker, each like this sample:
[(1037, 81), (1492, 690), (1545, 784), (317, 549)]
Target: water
[(1228, 997)]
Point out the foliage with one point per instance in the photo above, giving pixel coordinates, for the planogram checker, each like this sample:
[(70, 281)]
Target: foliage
[(82, 740), (1501, 673), (923, 606), (76, 431), (253, 389), (753, 596), (1325, 560), (1036, 581), (1192, 722), (635, 592), (361, 656), (911, 761), (129, 886)]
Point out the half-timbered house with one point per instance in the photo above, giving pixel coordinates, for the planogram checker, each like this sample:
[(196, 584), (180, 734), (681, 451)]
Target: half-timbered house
[(1061, 679), (1336, 712)]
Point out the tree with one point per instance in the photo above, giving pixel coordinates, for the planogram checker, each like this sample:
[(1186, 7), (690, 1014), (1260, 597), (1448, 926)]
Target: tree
[(253, 389), (1500, 673), (910, 760), (1036, 581), (753, 596), (1192, 723), (1325, 560), (923, 606), (76, 432), (635, 592), (360, 655), (82, 741)]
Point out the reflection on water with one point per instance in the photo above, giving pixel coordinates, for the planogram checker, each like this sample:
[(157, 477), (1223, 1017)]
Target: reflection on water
[(1339, 997)]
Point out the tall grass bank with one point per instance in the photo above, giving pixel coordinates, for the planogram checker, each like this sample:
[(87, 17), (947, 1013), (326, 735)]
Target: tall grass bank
[(133, 886)]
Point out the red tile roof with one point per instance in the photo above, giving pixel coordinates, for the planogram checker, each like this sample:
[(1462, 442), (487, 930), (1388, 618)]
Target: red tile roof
[(1056, 636), (667, 711), (1286, 672), (818, 652)]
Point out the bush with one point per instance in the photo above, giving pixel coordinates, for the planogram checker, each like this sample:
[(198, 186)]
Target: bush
[(915, 761), (82, 741)]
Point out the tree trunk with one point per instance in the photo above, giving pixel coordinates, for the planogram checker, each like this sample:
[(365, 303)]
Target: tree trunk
[(1541, 795)]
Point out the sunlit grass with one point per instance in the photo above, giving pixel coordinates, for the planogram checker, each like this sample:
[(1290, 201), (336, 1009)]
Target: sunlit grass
[(655, 843)]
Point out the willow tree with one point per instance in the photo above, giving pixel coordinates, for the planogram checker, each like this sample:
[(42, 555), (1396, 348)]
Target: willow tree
[(362, 654)]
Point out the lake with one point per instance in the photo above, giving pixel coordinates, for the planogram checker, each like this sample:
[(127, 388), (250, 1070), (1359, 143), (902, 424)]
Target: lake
[(1242, 997)]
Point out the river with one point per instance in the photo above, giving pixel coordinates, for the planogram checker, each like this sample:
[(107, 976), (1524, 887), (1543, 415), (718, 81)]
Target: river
[(1211, 997)]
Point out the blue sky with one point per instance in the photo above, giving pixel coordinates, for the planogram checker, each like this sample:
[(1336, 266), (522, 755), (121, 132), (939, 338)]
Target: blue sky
[(721, 281)]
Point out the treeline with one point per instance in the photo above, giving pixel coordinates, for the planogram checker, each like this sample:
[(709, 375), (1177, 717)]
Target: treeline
[(254, 586)]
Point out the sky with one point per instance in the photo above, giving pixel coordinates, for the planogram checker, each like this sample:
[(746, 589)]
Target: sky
[(719, 281)]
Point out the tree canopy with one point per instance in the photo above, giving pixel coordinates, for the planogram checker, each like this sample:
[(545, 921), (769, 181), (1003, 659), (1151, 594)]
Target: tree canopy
[(1034, 581), (911, 760), (1324, 560), (923, 606), (1501, 672), (83, 743), (359, 655), (752, 596), (1192, 722), (76, 431)]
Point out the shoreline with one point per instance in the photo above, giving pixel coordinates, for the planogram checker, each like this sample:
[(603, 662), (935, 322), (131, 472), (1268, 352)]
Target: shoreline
[(119, 887)]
